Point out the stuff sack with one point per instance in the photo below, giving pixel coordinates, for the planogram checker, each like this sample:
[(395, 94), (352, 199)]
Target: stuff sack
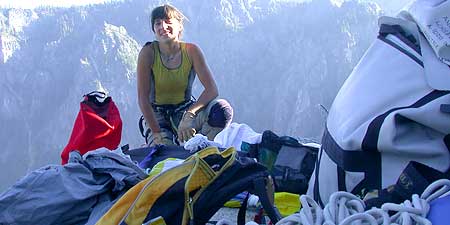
[(98, 124), (289, 162), (392, 110), (149, 156), (192, 192)]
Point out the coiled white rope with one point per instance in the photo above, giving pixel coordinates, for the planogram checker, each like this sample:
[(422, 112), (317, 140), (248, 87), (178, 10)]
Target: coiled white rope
[(408, 212), (311, 213), (342, 205), (437, 189), (344, 208), (373, 216)]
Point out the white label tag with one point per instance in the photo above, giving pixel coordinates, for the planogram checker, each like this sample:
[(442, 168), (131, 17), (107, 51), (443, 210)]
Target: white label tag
[(433, 20)]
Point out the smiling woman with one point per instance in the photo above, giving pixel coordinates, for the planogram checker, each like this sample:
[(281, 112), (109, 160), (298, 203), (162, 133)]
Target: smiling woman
[(27, 4), (165, 73)]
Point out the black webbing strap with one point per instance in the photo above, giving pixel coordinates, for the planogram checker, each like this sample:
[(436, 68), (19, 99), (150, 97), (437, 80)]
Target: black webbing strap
[(401, 34), (242, 211), (144, 132), (98, 98), (261, 192), (445, 108), (316, 192)]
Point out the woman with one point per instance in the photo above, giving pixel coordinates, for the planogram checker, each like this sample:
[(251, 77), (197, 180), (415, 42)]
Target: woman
[(165, 74)]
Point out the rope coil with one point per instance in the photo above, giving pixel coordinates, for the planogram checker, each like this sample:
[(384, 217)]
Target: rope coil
[(345, 208)]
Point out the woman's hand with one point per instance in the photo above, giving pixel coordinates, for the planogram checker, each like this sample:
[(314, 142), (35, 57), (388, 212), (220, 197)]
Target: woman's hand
[(186, 128), (158, 139)]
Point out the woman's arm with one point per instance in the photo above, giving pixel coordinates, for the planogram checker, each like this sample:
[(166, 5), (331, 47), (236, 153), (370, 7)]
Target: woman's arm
[(205, 76), (144, 67)]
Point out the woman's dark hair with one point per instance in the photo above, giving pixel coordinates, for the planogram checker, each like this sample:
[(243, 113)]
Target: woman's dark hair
[(166, 12)]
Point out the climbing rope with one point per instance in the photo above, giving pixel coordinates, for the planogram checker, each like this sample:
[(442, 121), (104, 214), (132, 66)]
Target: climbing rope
[(342, 205), (345, 208), (311, 213)]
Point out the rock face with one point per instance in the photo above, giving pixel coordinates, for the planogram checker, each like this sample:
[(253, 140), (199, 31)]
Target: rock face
[(276, 62)]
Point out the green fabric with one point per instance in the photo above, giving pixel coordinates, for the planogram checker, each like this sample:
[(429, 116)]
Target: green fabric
[(172, 86)]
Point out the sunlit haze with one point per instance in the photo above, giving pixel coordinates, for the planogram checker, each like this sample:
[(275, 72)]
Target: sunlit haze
[(29, 4)]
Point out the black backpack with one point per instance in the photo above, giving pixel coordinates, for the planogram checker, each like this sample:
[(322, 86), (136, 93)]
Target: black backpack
[(289, 162), (192, 192)]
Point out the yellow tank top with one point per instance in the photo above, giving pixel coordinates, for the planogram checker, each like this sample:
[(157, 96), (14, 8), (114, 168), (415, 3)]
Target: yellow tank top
[(171, 86)]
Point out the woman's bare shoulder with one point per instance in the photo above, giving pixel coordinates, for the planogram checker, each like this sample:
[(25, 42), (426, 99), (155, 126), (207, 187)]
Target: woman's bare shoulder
[(193, 50), (191, 46), (147, 48), (147, 52)]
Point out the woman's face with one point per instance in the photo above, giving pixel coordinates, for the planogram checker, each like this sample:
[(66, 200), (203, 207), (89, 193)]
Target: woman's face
[(167, 29)]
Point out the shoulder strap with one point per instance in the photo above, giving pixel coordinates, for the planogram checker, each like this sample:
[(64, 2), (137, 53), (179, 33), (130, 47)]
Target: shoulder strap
[(242, 210), (409, 41), (142, 128), (260, 188), (400, 33)]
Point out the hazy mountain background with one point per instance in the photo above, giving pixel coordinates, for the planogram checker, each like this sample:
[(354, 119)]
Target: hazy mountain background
[(275, 61)]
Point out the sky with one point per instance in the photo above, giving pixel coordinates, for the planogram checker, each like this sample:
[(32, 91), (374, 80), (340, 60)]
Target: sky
[(28, 4), (389, 5)]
